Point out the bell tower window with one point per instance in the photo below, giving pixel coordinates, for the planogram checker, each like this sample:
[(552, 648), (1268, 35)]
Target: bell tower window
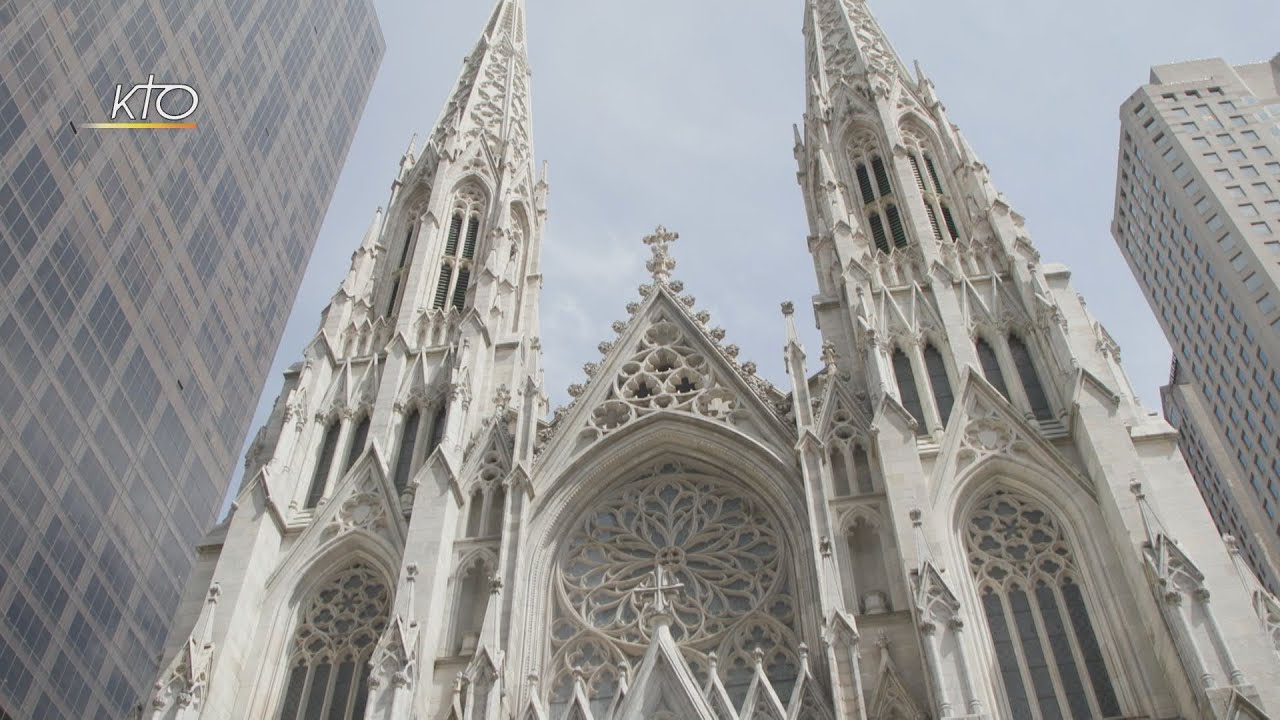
[(460, 248), (398, 274), (876, 191), (937, 203)]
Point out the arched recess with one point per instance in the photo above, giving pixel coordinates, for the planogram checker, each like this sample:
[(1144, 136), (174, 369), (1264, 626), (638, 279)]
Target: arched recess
[(464, 230), (472, 578), (869, 558), (669, 460), (288, 591), (1008, 628)]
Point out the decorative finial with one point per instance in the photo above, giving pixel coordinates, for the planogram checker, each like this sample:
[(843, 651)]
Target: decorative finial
[(788, 308), (758, 654), (662, 263)]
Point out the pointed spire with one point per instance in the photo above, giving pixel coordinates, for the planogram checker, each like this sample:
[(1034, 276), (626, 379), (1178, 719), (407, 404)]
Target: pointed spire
[(850, 45), (495, 74)]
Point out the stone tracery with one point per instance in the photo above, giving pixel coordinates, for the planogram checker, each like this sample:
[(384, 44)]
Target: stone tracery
[(724, 547), (665, 372)]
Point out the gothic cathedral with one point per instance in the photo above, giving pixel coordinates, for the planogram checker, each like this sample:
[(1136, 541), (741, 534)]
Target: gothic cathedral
[(961, 512)]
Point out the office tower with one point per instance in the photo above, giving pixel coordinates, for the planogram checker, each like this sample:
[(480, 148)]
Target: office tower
[(963, 513), (145, 279), (1198, 219)]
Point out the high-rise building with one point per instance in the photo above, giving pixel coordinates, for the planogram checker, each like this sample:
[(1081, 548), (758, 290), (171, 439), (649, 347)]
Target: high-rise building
[(145, 279), (1198, 219), (965, 513)]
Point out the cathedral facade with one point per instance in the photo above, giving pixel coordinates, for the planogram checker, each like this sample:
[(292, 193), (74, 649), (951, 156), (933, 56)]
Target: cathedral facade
[(959, 510)]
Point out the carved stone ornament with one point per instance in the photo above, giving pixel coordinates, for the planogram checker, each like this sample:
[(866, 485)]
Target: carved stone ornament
[(722, 550)]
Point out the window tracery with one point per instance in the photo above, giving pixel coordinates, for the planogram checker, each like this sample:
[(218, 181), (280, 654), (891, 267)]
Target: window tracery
[(937, 203), (488, 500), (324, 462), (876, 192), (725, 549), (907, 390), (1030, 584), (335, 638), (469, 206), (850, 463), (666, 372)]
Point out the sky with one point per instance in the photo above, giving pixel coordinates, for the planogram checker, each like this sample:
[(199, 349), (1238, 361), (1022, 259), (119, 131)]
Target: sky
[(680, 113)]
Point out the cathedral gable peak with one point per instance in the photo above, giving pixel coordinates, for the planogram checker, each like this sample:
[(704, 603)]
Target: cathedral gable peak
[(985, 427), (841, 416), (667, 360), (664, 686)]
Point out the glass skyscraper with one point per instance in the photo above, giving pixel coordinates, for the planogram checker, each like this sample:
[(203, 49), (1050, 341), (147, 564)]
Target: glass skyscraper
[(145, 280)]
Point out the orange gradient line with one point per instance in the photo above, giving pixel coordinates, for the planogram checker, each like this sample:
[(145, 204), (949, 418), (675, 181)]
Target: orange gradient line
[(141, 126)]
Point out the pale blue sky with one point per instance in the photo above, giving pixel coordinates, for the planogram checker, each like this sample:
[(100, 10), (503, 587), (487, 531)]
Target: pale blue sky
[(679, 112)]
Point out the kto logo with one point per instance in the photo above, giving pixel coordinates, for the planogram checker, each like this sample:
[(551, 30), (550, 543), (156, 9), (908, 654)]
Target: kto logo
[(174, 103)]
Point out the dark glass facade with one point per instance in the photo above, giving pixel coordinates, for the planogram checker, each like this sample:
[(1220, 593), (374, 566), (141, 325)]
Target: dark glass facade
[(145, 279)]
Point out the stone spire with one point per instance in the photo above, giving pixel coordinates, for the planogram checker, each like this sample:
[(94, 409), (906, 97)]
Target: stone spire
[(491, 98), (845, 45)]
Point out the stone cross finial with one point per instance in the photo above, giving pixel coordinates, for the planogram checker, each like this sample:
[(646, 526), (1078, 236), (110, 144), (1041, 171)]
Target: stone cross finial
[(661, 585), (661, 264)]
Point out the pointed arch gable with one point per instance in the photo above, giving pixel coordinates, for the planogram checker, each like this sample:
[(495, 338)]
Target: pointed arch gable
[(363, 507), (988, 435), (605, 408)]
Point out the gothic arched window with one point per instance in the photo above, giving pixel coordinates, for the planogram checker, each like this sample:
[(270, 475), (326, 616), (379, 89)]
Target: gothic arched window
[(991, 366), (1030, 378), (408, 442), (324, 463), (936, 202), (358, 442), (488, 500), (470, 603), (329, 660), (875, 189), (463, 235), (862, 471), (397, 275), (1049, 656), (907, 390), (839, 472), (939, 381)]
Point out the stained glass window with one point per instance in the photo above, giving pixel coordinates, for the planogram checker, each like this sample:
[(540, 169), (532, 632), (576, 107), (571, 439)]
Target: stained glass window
[(328, 663), (1050, 661)]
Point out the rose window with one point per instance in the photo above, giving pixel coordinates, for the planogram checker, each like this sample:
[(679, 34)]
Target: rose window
[(723, 547)]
